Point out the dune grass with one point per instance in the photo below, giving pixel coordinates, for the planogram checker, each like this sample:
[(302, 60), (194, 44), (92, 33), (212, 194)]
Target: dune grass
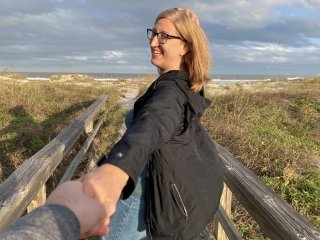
[(273, 129), (275, 133), (33, 113)]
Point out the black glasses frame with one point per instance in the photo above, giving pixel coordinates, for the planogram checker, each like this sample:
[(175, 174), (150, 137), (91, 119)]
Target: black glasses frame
[(162, 37)]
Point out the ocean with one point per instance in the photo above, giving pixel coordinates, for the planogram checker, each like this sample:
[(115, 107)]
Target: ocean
[(219, 78)]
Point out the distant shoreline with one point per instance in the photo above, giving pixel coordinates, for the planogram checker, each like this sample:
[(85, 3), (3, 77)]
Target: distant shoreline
[(221, 78)]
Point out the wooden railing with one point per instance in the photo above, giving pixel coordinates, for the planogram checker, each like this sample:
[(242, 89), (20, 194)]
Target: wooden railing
[(25, 187), (276, 218)]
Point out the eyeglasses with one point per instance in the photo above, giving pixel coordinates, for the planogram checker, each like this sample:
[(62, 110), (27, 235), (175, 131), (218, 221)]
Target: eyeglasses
[(162, 37)]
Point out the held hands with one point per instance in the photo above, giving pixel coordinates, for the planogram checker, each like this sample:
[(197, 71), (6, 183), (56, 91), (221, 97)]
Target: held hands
[(92, 199), (105, 184), (93, 216)]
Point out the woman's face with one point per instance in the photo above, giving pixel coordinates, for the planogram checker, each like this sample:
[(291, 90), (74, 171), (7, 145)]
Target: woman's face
[(167, 56)]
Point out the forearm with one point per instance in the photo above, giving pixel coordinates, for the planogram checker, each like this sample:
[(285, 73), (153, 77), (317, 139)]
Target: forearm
[(106, 183), (50, 221)]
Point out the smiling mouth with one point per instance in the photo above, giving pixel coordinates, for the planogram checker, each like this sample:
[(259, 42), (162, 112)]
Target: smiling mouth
[(155, 52)]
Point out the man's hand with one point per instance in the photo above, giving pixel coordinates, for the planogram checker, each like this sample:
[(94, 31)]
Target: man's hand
[(105, 184), (93, 216)]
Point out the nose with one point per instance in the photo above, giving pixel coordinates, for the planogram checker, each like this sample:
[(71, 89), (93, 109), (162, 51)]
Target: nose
[(154, 42)]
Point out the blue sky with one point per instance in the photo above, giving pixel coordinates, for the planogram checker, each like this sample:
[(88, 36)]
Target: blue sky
[(246, 37)]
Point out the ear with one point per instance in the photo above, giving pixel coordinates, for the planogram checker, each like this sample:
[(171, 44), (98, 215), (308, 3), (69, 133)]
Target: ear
[(185, 49)]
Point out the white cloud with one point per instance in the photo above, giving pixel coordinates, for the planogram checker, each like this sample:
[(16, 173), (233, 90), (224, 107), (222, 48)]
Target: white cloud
[(271, 48), (252, 53), (113, 55), (310, 4), (235, 14), (66, 35), (81, 58), (248, 14), (46, 59), (7, 21), (122, 62)]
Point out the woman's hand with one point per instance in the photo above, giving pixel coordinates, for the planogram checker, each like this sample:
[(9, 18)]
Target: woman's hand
[(105, 184), (93, 216)]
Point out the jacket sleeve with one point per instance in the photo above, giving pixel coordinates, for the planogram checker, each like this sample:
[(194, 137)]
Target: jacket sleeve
[(153, 126), (47, 222)]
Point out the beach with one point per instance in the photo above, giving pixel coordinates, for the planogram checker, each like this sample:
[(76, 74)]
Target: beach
[(220, 84)]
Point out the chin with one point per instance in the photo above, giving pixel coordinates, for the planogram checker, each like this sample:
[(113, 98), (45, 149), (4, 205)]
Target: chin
[(154, 62)]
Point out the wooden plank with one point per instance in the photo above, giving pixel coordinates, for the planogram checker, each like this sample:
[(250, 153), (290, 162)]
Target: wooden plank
[(76, 160), (38, 200), (275, 216), (229, 229), (22, 185)]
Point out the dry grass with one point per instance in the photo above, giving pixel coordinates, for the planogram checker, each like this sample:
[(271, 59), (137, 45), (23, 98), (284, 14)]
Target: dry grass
[(32, 113), (272, 127), (274, 130)]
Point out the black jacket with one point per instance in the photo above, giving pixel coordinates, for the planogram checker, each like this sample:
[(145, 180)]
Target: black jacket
[(185, 173)]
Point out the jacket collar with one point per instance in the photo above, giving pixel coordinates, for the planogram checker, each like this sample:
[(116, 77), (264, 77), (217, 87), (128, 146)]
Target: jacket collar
[(197, 101)]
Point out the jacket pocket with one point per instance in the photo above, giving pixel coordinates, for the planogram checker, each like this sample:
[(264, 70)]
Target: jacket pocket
[(166, 211), (178, 199)]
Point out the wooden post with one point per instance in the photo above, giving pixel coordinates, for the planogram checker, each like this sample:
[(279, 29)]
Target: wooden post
[(77, 159), (225, 202), (38, 200)]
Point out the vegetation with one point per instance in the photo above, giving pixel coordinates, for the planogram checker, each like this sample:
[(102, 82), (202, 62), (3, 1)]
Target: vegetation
[(273, 128), (275, 133), (33, 113)]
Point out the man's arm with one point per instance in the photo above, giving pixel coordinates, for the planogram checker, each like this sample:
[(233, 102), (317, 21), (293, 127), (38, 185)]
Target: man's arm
[(47, 222), (67, 214)]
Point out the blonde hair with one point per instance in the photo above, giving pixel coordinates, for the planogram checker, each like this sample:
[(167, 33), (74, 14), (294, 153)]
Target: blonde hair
[(198, 60)]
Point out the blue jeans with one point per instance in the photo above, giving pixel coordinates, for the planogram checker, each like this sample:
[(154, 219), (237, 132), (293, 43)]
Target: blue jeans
[(128, 221)]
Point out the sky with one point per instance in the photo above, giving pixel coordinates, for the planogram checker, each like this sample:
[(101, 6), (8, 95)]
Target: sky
[(267, 37)]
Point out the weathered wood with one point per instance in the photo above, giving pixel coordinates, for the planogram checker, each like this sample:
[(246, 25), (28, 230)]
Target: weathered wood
[(89, 128), (225, 203), (38, 200), (227, 225), (276, 217), (76, 160), (20, 187)]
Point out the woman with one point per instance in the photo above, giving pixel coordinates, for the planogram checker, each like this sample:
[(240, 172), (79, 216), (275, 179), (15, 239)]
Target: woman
[(185, 175)]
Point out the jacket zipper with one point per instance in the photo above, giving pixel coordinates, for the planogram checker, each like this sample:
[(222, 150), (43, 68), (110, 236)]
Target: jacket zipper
[(181, 205)]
